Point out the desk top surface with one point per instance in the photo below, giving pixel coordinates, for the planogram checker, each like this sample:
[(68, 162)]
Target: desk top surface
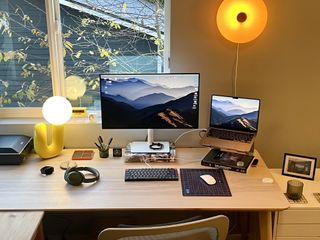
[(22, 187), (19, 225)]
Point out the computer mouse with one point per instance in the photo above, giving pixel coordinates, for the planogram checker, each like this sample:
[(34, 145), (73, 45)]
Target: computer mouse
[(208, 179)]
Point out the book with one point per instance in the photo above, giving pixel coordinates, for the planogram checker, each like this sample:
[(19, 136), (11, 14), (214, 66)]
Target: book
[(232, 161)]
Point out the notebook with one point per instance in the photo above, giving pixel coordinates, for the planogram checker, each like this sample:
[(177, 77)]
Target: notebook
[(233, 123)]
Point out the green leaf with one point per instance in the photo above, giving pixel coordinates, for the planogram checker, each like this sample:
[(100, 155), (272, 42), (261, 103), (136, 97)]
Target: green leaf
[(5, 84), (78, 54), (115, 25), (68, 45), (124, 7), (104, 52)]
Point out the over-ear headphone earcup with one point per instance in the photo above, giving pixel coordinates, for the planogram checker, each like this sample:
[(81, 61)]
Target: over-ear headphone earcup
[(74, 178)]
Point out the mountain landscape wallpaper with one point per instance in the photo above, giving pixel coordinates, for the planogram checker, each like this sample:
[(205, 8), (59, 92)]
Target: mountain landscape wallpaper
[(234, 113), (149, 101)]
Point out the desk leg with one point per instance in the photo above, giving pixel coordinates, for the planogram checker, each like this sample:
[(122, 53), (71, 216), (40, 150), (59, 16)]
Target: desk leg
[(265, 222), (40, 233)]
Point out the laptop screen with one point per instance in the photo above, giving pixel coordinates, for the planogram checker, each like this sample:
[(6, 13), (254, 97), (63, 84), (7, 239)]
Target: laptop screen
[(234, 113)]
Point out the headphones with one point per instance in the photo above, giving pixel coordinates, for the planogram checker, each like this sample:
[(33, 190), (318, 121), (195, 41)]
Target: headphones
[(75, 177)]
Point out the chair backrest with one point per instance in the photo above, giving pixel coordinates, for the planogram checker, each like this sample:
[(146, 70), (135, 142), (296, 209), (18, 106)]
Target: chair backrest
[(213, 228)]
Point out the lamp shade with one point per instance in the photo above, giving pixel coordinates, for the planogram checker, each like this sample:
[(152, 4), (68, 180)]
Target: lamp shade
[(242, 21), (57, 110)]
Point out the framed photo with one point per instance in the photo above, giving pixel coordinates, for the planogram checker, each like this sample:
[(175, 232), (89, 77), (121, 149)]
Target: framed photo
[(299, 166)]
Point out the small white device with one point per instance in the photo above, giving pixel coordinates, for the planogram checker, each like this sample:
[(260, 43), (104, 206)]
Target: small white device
[(145, 147), (267, 180), (208, 179)]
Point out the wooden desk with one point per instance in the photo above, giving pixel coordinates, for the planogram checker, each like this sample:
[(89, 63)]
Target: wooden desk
[(25, 188), (20, 225)]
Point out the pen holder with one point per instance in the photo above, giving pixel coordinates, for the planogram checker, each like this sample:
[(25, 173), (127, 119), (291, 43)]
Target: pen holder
[(294, 189), (104, 153)]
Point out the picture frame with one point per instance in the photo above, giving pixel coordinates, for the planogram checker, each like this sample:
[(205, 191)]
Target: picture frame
[(299, 166)]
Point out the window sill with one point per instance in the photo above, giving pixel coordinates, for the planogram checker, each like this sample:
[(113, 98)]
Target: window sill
[(32, 121)]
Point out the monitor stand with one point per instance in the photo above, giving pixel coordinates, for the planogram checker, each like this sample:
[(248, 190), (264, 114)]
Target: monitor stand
[(149, 146)]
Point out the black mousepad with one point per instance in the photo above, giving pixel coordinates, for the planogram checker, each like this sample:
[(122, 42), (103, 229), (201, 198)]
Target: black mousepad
[(193, 185)]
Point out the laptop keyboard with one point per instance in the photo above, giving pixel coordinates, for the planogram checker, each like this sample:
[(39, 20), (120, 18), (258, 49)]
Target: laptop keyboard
[(230, 135), (151, 174)]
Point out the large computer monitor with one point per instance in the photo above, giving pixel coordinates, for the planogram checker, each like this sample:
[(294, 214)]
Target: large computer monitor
[(150, 101)]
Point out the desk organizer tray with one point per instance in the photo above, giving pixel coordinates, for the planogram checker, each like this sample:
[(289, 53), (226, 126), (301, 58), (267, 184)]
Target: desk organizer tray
[(149, 157), (193, 185)]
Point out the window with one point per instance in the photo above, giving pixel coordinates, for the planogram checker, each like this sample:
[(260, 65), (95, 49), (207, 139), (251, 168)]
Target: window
[(24, 54), (97, 36)]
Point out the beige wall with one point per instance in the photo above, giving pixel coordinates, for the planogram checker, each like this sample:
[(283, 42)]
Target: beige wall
[(281, 67)]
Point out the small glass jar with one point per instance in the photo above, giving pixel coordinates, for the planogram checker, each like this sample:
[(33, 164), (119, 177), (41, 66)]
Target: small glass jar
[(294, 189), (104, 153)]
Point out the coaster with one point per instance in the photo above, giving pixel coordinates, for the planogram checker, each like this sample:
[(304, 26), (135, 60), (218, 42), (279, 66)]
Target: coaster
[(302, 200), (82, 155), (68, 164), (317, 196)]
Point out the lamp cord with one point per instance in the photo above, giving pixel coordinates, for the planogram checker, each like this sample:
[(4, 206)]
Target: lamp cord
[(236, 71)]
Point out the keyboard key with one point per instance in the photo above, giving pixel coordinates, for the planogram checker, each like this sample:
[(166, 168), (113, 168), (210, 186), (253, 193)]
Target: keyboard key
[(229, 135)]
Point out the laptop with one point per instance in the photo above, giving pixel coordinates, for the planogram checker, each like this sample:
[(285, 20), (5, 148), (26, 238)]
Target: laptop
[(233, 123)]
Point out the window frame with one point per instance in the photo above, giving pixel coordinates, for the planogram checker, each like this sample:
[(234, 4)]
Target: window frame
[(56, 58)]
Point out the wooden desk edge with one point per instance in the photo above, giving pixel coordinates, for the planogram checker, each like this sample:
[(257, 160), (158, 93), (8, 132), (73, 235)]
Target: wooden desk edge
[(27, 222)]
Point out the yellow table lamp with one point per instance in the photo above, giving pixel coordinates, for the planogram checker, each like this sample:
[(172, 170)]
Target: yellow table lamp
[(56, 110)]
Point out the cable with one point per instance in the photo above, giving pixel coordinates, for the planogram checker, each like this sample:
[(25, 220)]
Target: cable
[(145, 160), (204, 131), (236, 71), (193, 130)]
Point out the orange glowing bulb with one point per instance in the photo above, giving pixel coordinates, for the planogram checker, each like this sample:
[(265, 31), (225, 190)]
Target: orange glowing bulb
[(242, 21)]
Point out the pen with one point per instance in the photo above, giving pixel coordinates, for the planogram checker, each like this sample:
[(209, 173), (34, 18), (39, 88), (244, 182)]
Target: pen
[(110, 141), (97, 146), (100, 140)]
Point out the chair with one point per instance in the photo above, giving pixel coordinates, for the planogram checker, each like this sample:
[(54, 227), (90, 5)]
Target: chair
[(213, 228)]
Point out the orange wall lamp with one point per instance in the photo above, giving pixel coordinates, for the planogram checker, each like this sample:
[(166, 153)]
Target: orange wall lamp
[(242, 21)]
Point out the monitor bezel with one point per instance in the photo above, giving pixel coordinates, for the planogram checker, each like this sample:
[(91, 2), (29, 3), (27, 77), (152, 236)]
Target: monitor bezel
[(214, 126), (151, 74)]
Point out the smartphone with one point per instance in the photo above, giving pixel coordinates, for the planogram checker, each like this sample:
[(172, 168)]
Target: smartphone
[(254, 162)]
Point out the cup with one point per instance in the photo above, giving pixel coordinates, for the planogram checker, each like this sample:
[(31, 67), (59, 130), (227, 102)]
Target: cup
[(294, 189), (104, 153)]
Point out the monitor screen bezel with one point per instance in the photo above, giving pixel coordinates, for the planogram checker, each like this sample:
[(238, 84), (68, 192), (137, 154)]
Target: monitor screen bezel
[(215, 126), (151, 74)]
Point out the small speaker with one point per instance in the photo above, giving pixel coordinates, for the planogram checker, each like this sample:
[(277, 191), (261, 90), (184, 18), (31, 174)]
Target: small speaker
[(117, 152)]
